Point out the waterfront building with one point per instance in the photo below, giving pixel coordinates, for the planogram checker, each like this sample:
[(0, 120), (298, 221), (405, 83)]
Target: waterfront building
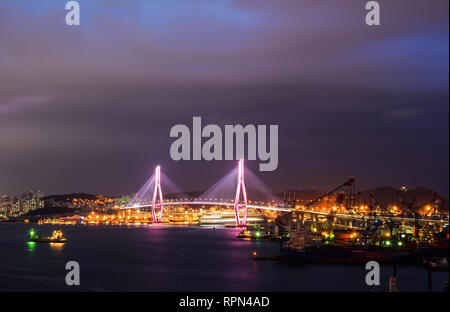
[(21, 204)]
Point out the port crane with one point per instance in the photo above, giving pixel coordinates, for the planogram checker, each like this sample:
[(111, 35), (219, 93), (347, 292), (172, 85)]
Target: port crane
[(391, 222), (435, 202), (408, 211), (372, 209), (407, 207), (349, 189), (381, 207), (372, 206), (372, 223), (348, 185)]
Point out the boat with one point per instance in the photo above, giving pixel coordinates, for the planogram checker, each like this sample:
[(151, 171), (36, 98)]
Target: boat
[(57, 237), (253, 232), (247, 234), (436, 264), (341, 254)]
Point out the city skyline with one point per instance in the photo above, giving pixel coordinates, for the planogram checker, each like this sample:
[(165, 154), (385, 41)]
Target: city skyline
[(89, 109)]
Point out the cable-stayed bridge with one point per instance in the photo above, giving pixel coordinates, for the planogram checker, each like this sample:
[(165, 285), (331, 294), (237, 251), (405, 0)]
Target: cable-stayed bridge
[(233, 191)]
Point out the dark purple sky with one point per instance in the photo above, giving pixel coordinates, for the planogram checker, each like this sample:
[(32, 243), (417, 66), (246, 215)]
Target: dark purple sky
[(89, 108)]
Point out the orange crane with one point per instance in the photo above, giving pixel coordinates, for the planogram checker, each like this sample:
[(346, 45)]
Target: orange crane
[(350, 183), (435, 202)]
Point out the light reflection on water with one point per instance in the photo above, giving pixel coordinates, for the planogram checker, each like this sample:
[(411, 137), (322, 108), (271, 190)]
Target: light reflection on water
[(31, 246), (57, 245), (171, 258)]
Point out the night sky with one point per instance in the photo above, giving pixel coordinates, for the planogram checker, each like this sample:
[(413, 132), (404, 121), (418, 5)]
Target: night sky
[(89, 108)]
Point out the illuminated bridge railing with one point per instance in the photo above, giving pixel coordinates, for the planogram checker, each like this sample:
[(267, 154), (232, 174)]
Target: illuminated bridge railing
[(212, 202), (269, 206)]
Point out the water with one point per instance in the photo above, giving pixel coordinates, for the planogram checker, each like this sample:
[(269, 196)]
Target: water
[(170, 258)]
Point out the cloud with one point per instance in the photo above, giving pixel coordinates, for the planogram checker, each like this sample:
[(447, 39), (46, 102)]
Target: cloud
[(103, 96), (11, 104), (404, 113)]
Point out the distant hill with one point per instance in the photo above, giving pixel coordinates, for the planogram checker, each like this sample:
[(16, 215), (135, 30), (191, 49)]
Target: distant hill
[(51, 211), (420, 196), (385, 195), (70, 197)]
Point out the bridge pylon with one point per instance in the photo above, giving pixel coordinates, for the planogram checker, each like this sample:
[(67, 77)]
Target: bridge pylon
[(237, 206), (157, 192)]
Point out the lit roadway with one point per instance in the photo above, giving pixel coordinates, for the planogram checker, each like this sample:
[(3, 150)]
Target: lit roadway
[(288, 209), (210, 203), (158, 202)]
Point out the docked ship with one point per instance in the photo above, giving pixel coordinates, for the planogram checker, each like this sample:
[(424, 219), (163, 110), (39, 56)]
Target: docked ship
[(57, 237), (302, 247), (227, 218)]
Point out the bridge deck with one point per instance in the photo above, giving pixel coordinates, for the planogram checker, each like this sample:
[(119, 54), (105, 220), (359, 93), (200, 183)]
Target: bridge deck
[(288, 209)]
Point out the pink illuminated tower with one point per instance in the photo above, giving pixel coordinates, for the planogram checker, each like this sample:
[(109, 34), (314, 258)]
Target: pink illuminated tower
[(157, 191), (237, 207)]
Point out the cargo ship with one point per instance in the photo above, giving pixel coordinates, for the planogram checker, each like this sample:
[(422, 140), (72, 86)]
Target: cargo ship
[(57, 237), (300, 247), (341, 254)]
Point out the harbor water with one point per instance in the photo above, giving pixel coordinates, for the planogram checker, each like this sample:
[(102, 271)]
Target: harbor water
[(175, 258)]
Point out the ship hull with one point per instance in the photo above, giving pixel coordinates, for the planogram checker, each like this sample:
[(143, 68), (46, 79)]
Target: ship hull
[(355, 256), (47, 240)]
